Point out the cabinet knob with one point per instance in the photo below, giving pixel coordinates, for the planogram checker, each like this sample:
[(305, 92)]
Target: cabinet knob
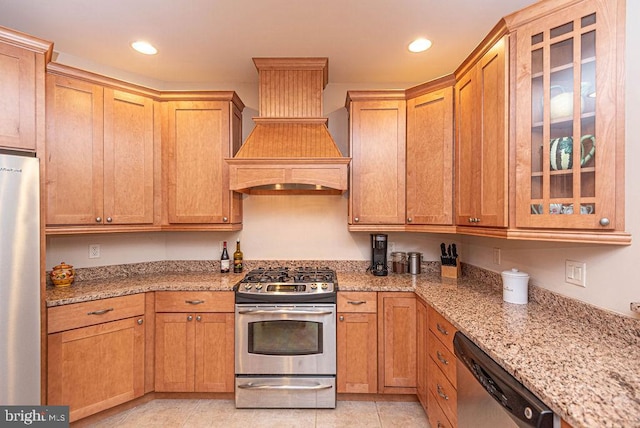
[(190, 318), (98, 219), (225, 219), (356, 219), (341, 318), (109, 219), (470, 220), (140, 321), (409, 220), (604, 221), (198, 318)]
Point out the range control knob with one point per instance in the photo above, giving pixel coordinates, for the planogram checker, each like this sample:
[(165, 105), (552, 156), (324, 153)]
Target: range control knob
[(258, 286), (324, 286), (247, 286), (314, 286)]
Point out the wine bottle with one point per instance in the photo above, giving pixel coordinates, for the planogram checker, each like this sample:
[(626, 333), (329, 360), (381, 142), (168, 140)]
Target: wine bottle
[(224, 259), (237, 258)]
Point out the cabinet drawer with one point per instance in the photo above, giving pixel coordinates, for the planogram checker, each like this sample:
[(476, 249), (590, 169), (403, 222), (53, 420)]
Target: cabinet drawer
[(357, 301), (441, 328), (443, 358), (437, 418), (195, 301), (444, 392), (76, 315)]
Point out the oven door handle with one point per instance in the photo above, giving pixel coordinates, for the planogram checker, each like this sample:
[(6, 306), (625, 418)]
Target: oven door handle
[(284, 311), (316, 387)]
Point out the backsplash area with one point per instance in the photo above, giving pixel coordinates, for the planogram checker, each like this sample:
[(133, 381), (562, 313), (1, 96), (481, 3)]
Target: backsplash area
[(615, 324)]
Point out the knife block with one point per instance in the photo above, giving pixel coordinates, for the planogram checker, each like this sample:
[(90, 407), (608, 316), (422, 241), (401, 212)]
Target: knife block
[(451, 271)]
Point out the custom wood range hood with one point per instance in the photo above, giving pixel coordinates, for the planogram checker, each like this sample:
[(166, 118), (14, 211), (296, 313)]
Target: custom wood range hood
[(290, 150)]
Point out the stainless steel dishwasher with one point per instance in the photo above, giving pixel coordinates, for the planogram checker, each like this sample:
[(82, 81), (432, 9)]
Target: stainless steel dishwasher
[(489, 397)]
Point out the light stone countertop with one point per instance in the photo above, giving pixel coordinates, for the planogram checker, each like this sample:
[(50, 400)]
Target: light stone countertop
[(581, 361)]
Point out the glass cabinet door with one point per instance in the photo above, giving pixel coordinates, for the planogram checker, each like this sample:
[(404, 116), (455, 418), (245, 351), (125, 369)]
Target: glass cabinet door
[(565, 149)]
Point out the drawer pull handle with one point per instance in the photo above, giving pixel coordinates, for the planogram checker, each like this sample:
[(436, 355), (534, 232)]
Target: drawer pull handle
[(441, 358), (441, 393), (442, 329), (100, 312), (194, 302), (356, 302)]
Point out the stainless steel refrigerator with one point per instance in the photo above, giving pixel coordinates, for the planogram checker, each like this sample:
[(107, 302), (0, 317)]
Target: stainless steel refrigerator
[(19, 280)]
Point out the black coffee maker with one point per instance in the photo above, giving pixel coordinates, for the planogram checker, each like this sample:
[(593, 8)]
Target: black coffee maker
[(379, 254)]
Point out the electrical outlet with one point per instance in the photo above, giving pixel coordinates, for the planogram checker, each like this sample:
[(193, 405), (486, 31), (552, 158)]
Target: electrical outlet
[(496, 256), (635, 306), (94, 251), (576, 273), (392, 247)]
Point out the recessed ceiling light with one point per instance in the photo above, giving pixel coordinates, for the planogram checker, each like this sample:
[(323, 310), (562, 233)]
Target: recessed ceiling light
[(144, 47), (420, 45)]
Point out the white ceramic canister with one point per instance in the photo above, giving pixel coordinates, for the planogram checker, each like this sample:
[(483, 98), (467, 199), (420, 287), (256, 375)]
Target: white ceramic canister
[(515, 286)]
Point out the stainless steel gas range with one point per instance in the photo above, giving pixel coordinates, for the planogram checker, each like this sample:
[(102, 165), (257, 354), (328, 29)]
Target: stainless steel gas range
[(286, 338)]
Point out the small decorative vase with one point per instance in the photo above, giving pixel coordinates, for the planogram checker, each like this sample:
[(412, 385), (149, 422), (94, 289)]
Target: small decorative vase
[(62, 275)]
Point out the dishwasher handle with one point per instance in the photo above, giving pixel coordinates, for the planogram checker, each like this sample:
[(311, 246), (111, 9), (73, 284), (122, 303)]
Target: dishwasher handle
[(515, 398)]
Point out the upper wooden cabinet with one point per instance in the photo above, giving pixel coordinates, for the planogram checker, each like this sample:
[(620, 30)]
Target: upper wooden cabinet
[(482, 140), (199, 134), (569, 139), (22, 67), (430, 154), (377, 137), (100, 155)]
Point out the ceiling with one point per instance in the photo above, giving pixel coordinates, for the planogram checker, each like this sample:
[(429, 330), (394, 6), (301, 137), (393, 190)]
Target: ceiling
[(211, 42)]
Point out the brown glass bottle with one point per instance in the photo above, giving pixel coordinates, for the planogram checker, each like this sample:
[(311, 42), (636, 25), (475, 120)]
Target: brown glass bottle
[(237, 258)]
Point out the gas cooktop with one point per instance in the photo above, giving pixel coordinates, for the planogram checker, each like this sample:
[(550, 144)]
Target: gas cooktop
[(282, 284)]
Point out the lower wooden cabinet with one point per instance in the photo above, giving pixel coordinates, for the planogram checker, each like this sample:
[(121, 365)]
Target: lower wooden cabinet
[(357, 342), (397, 343), (95, 362), (422, 336), (442, 395), (194, 350)]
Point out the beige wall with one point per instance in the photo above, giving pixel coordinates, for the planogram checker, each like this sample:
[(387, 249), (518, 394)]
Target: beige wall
[(308, 228)]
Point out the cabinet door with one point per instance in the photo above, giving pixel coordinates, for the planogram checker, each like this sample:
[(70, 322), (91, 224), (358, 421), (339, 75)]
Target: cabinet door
[(175, 341), (198, 142), (466, 143), (567, 156), (74, 160), (422, 332), (491, 153), (128, 158), (430, 158), (397, 338), (357, 353), (378, 135), (481, 142), (17, 98), (214, 352), (94, 368)]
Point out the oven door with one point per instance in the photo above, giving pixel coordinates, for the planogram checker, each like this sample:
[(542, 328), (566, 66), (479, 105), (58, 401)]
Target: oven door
[(286, 339)]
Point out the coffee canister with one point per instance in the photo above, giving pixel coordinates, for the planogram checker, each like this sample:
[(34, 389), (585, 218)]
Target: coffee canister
[(399, 262), (414, 263), (515, 286)]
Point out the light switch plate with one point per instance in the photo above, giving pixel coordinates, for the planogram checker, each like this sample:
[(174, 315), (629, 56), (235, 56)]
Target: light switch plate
[(576, 273)]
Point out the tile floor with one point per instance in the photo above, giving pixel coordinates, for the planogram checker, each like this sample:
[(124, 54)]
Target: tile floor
[(222, 413)]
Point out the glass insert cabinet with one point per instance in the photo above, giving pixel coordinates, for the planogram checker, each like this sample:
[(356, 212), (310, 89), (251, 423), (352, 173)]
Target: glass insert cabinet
[(567, 133)]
